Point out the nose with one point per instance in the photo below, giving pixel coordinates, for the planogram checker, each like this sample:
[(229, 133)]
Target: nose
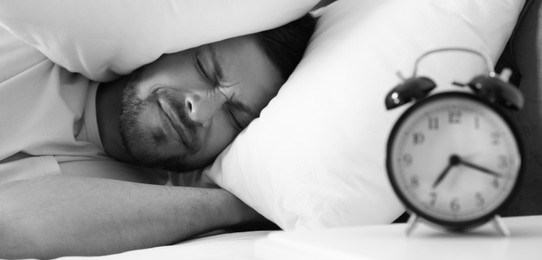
[(201, 107)]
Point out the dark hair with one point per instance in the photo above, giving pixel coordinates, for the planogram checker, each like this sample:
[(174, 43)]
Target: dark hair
[(285, 45)]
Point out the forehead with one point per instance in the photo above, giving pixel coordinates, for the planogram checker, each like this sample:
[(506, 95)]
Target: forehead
[(255, 80)]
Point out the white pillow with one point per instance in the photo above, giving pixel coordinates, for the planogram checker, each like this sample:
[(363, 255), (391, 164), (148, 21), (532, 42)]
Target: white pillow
[(104, 38), (316, 156)]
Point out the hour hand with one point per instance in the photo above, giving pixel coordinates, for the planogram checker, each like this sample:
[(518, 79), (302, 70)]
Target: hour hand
[(442, 175), (453, 161)]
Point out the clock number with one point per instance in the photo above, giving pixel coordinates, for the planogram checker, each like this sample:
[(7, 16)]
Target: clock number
[(418, 138), (454, 205), (480, 201), (503, 162), (454, 116), (495, 183), (432, 123), (414, 182), (495, 138), (433, 200), (407, 159), (476, 122)]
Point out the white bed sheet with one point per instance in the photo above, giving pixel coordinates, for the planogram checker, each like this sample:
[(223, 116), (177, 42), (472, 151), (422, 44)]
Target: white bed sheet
[(239, 246)]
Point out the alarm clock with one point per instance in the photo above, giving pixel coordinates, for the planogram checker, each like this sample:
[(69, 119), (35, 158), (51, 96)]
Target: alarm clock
[(454, 158)]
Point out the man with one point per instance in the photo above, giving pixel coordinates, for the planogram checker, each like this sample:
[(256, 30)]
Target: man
[(79, 160)]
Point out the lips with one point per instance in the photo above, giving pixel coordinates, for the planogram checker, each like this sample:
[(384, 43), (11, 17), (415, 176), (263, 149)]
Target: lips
[(174, 127)]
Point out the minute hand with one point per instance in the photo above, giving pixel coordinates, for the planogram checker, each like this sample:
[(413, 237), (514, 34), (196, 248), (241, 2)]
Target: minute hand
[(480, 168)]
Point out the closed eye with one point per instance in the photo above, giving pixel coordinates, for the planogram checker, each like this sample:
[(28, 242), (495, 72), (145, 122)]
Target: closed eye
[(240, 115), (237, 124), (201, 68), (207, 63)]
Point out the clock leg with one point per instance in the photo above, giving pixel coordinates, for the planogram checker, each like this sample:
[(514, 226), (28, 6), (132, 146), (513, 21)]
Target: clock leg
[(500, 226), (411, 224)]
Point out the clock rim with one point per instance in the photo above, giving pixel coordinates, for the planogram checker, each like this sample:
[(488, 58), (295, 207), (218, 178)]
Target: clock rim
[(451, 224)]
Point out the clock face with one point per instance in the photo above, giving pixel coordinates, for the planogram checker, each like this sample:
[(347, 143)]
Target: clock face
[(453, 160)]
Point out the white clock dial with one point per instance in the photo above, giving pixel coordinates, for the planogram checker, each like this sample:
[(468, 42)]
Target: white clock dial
[(453, 158)]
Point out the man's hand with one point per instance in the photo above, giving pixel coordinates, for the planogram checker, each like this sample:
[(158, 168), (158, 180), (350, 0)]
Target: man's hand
[(56, 216)]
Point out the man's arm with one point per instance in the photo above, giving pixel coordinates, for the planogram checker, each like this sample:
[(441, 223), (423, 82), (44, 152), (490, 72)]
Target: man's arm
[(55, 216)]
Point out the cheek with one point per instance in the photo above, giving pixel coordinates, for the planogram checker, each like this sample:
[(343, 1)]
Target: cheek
[(218, 135), (140, 123), (154, 76), (148, 118)]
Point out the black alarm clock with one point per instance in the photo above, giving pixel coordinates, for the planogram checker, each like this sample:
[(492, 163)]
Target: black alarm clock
[(454, 158)]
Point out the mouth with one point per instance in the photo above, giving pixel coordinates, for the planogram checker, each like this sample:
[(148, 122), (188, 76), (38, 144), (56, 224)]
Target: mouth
[(174, 127)]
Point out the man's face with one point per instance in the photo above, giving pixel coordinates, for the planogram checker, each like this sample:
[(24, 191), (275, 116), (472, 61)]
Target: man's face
[(182, 110)]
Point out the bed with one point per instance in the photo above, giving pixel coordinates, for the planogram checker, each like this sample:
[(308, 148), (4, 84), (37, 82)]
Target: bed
[(237, 245), (315, 157), (361, 242)]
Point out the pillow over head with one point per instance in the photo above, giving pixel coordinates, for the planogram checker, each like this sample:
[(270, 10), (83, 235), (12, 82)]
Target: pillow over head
[(104, 38), (316, 156)]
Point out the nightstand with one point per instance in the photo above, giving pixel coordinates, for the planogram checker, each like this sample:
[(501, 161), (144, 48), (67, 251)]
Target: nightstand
[(391, 242)]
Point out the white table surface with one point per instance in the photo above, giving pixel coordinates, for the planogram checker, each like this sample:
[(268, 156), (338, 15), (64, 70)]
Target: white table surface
[(391, 242)]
